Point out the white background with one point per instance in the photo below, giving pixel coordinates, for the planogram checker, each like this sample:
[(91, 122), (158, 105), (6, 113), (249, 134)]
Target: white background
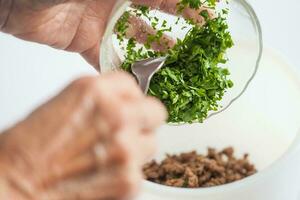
[(31, 73)]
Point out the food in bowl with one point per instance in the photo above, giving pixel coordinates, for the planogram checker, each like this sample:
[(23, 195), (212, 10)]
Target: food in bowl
[(192, 81), (193, 170)]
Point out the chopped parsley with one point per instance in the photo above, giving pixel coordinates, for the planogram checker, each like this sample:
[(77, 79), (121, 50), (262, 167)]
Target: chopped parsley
[(195, 4), (191, 83)]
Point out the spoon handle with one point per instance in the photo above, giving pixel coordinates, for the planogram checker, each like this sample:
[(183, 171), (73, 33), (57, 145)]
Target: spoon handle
[(144, 83)]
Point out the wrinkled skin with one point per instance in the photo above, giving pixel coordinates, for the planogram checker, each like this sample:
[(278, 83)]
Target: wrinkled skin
[(73, 25), (88, 142), (78, 25)]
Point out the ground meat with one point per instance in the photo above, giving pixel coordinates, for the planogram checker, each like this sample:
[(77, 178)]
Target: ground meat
[(192, 170)]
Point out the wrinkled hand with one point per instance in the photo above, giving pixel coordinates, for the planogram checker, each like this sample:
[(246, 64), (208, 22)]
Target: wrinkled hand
[(88, 142), (78, 25)]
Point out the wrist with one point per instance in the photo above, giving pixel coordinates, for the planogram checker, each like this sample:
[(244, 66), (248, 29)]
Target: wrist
[(5, 9)]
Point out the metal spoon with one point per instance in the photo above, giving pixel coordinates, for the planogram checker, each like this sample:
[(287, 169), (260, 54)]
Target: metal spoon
[(145, 69)]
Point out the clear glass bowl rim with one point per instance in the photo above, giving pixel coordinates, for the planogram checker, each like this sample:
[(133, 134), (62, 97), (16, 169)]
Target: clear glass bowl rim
[(120, 7)]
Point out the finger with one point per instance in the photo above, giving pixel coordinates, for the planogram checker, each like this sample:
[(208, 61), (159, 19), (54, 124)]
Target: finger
[(140, 31), (123, 149), (154, 4), (60, 171), (97, 158), (121, 84), (134, 145), (152, 114), (79, 155), (72, 129), (79, 142), (145, 115), (87, 126), (119, 151), (129, 146), (91, 55), (90, 29), (79, 138), (195, 16), (147, 146), (115, 89), (114, 183), (136, 135), (171, 7)]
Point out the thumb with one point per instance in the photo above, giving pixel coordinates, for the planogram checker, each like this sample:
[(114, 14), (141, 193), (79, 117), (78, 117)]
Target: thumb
[(91, 55)]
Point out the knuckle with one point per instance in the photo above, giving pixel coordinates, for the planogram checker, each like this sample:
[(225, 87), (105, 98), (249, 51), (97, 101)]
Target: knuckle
[(85, 85), (124, 77), (120, 153), (119, 83), (124, 113), (154, 100), (126, 155), (160, 108), (127, 114), (130, 185)]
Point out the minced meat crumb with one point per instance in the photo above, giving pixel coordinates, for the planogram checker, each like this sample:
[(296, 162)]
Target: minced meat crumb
[(193, 170)]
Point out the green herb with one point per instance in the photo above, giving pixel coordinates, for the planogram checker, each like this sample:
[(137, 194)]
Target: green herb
[(142, 11), (122, 26), (191, 83), (195, 4)]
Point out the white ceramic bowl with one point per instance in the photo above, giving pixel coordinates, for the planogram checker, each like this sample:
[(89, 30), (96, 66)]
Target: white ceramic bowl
[(264, 122)]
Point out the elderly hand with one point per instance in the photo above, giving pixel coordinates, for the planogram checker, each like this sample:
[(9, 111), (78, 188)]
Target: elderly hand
[(78, 25), (89, 142)]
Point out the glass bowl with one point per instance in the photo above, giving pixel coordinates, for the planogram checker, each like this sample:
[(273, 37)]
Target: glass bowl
[(257, 123), (246, 33)]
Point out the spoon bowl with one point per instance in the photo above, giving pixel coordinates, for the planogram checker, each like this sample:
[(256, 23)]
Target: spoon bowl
[(145, 69)]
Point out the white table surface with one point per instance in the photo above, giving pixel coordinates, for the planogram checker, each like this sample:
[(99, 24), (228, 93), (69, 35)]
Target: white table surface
[(31, 73)]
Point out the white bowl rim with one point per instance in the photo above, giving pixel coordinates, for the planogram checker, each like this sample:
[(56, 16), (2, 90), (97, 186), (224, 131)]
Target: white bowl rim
[(278, 164)]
